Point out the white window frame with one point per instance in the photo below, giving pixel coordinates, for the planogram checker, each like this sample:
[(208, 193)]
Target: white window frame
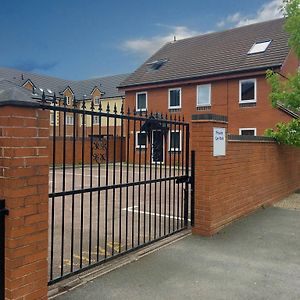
[(255, 91), (241, 129), (180, 95), (97, 100), (137, 146), (136, 101), (205, 104), (52, 119), (98, 121), (252, 51), (180, 141), (69, 117)]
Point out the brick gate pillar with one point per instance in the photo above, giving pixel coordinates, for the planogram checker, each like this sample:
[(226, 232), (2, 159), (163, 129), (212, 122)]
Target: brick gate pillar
[(24, 169), (206, 165)]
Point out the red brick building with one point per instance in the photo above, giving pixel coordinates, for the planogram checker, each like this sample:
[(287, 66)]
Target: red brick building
[(218, 73)]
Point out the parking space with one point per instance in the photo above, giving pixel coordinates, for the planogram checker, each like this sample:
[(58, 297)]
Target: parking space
[(89, 225)]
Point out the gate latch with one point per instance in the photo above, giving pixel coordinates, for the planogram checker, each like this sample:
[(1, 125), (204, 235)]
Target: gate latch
[(184, 179), (3, 211)]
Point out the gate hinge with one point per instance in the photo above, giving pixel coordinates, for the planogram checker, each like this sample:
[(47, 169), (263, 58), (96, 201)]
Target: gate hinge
[(184, 179)]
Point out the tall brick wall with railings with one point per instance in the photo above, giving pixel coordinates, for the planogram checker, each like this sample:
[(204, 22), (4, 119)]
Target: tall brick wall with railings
[(255, 171), (24, 170)]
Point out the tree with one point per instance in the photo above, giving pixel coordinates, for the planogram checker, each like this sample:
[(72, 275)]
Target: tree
[(287, 92)]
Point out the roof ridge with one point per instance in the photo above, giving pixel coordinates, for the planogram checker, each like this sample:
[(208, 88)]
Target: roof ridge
[(223, 31), (26, 73)]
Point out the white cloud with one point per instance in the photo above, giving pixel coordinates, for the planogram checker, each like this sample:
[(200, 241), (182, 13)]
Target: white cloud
[(148, 46), (268, 11)]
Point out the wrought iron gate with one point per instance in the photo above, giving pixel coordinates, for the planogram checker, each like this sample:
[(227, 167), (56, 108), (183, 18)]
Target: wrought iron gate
[(118, 181)]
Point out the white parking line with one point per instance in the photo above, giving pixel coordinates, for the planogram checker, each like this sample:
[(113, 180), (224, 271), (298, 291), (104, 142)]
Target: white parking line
[(135, 210)]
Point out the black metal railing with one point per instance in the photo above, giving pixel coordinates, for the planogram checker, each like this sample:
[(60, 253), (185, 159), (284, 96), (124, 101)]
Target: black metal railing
[(119, 181), (3, 213)]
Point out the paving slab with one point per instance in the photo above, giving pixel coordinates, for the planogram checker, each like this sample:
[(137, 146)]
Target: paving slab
[(257, 257)]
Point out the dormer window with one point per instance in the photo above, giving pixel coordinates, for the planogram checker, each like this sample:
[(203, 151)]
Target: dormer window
[(68, 100), (259, 47), (97, 100)]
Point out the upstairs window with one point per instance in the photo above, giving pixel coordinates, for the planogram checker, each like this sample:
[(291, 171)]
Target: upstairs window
[(248, 91), (247, 131), (96, 120), (204, 95), (141, 101), (141, 140), (68, 100), (51, 118), (259, 47), (175, 98), (97, 100), (175, 141)]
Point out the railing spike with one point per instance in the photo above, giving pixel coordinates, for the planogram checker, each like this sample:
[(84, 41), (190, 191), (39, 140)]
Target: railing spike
[(122, 109), (108, 108), (43, 97), (83, 104), (74, 103), (54, 99), (65, 101), (115, 109)]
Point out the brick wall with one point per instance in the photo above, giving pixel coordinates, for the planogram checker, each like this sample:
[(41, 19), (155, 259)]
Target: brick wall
[(253, 173), (224, 101), (24, 169)]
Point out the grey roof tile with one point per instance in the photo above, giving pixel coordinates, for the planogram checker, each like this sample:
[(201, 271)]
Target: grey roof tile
[(10, 92), (107, 85), (214, 54)]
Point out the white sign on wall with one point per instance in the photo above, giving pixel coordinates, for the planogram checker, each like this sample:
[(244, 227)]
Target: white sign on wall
[(219, 141)]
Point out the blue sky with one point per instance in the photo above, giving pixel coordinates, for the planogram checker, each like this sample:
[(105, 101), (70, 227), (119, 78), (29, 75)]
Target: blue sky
[(84, 39)]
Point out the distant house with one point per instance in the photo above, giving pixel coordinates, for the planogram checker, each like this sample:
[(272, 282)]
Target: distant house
[(99, 90), (218, 73)]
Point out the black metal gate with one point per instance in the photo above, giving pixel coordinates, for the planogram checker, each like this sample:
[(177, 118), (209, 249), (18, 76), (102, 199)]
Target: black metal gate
[(3, 213), (118, 181)]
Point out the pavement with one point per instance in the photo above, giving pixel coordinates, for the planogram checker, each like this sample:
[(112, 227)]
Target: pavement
[(257, 257)]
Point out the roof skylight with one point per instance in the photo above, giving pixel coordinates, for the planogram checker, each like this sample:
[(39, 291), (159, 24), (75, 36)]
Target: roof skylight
[(259, 47), (156, 64)]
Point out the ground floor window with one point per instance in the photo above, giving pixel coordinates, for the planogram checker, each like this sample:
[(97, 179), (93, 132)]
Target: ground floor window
[(175, 141), (141, 140), (247, 131), (69, 120)]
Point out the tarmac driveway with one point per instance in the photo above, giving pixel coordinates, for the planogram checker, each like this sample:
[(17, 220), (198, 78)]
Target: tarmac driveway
[(257, 257)]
